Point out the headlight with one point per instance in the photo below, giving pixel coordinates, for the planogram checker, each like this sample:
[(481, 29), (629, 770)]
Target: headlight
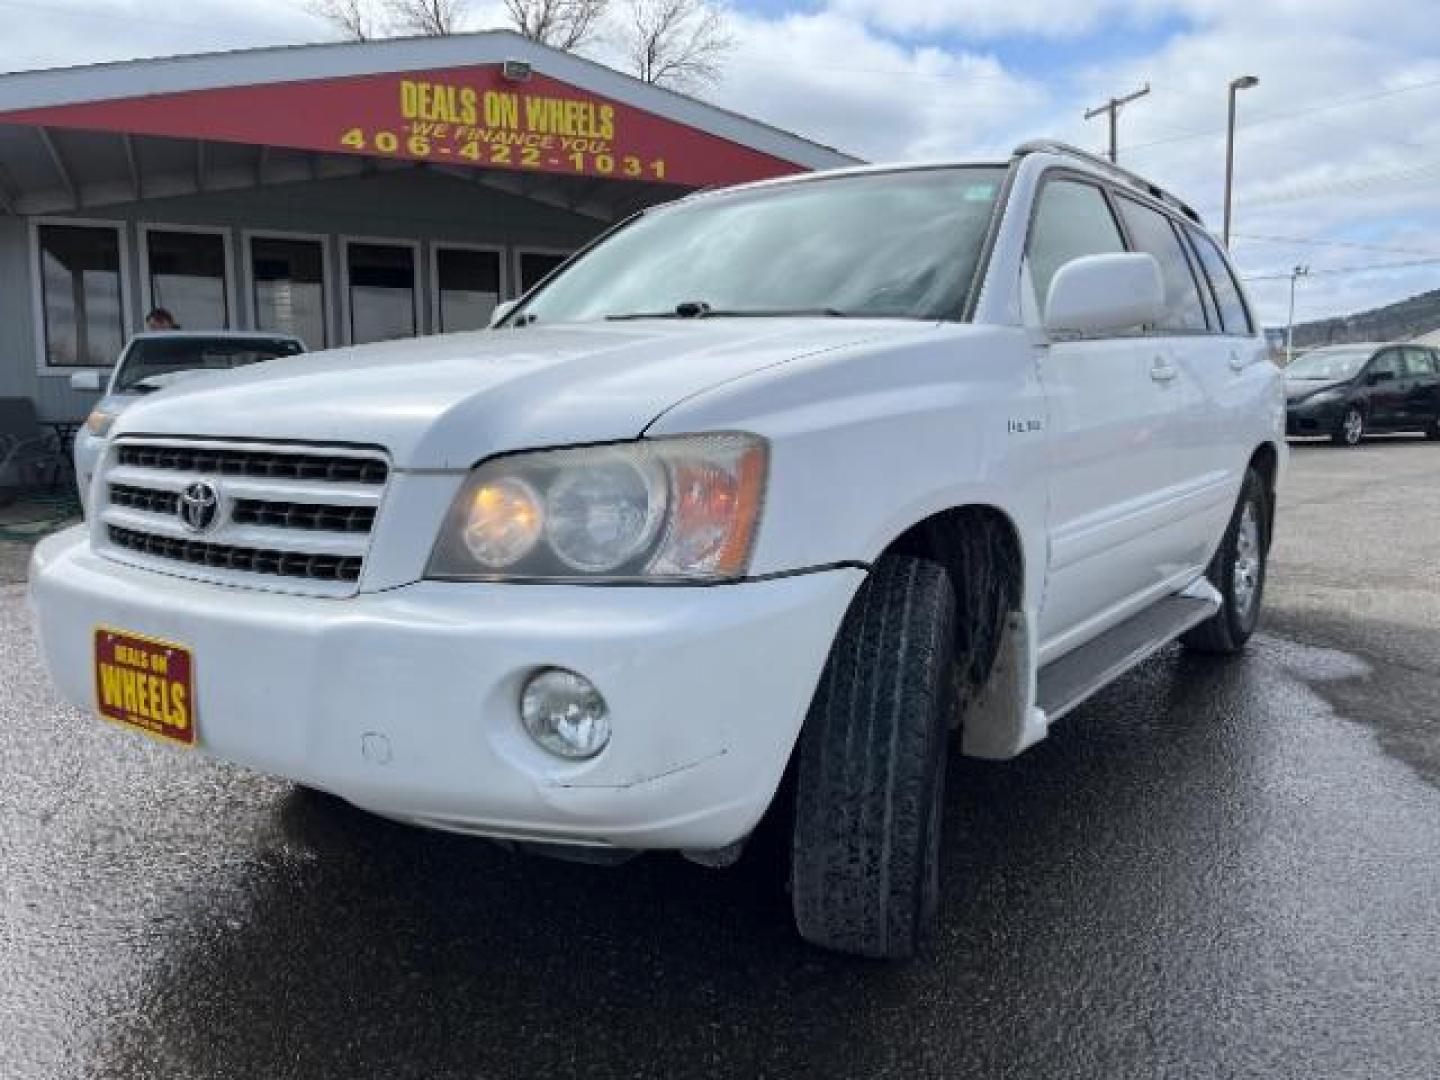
[(99, 422), (1325, 397), (681, 509)]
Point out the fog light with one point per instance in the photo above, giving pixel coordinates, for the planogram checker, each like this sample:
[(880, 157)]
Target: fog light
[(565, 714)]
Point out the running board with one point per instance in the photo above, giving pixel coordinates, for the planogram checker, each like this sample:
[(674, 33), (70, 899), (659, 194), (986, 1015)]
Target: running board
[(1070, 680)]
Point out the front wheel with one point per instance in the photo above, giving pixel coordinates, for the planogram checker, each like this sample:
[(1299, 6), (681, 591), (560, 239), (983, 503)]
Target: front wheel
[(865, 850), (1238, 573), (1351, 428)]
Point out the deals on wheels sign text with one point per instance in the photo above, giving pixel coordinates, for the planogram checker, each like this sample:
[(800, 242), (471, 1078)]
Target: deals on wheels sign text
[(469, 116)]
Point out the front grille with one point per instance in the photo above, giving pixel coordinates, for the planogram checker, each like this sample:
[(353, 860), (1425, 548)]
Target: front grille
[(151, 502), (279, 513), (224, 461), (293, 564), (310, 516)]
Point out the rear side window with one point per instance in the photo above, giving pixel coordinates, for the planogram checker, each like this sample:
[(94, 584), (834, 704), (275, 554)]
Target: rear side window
[(1072, 220), (1233, 313), (1419, 362), (1154, 235)]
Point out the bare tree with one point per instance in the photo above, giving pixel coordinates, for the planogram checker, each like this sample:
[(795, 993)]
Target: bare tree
[(676, 43), (354, 19), (435, 18), (561, 24)]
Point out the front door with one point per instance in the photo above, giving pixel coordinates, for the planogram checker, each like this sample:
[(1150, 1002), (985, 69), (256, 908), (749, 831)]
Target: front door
[(1110, 435)]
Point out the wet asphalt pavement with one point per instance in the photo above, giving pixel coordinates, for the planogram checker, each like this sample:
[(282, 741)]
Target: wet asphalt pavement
[(1211, 870)]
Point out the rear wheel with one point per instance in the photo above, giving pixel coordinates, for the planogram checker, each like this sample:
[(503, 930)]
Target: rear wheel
[(1433, 431), (1351, 428), (1238, 572), (865, 850)]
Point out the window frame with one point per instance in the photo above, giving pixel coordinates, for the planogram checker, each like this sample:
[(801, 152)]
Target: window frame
[(1046, 178), (1190, 229), (347, 315), (327, 267), (37, 291), (437, 325), (147, 298), (517, 255), (1190, 261)]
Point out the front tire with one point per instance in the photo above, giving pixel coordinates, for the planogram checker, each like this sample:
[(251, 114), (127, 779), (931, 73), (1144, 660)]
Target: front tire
[(1350, 431), (1238, 572), (865, 849)]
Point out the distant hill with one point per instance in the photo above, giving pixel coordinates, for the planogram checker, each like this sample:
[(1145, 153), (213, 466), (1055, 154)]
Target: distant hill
[(1395, 322)]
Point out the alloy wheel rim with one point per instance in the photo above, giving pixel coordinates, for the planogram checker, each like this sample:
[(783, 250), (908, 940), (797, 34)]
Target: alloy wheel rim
[(1245, 571), (1354, 426)]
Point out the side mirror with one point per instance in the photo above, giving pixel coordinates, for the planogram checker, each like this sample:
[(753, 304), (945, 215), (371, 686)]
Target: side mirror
[(501, 310), (1378, 377), (1099, 293), (88, 382)]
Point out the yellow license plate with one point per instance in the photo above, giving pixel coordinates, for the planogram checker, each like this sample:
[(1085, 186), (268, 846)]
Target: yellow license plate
[(145, 684)]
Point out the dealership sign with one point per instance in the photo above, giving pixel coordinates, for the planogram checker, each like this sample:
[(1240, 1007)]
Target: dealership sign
[(470, 116)]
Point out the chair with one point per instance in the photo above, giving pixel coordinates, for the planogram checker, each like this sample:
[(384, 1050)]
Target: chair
[(29, 455)]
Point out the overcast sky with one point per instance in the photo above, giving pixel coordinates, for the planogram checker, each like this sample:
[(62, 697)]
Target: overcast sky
[(1338, 153)]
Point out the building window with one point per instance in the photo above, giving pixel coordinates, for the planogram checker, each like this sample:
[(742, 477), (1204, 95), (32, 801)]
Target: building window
[(467, 287), (287, 280), (81, 294), (187, 275), (381, 283), (536, 265)]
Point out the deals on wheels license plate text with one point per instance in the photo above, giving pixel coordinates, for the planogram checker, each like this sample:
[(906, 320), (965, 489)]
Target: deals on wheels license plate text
[(145, 684)]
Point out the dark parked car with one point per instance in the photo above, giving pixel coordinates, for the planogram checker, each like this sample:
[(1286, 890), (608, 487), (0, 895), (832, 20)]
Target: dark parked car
[(1349, 391)]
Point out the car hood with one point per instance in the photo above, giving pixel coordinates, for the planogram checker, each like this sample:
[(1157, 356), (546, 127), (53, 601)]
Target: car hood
[(447, 402), (1297, 390)]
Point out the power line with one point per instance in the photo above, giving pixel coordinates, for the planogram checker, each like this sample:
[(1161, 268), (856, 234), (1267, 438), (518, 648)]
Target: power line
[(1317, 242), (1270, 118), (1333, 271)]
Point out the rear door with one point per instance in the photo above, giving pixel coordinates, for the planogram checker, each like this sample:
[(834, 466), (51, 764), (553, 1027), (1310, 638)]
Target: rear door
[(1110, 440), (1205, 454), (1384, 390), (1421, 387)]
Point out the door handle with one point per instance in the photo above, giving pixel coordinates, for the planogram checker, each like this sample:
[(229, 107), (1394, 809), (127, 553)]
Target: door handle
[(1162, 370), (1236, 363)]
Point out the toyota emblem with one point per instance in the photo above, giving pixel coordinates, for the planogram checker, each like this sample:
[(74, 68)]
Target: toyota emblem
[(199, 506)]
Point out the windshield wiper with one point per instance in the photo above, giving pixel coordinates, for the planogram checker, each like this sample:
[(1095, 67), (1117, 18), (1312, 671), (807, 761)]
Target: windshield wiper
[(699, 309)]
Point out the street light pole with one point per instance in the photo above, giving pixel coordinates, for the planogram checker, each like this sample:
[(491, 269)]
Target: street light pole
[(1244, 82), (1296, 274), (1113, 108)]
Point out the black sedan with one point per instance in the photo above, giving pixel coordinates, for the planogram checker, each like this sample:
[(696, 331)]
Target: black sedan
[(1349, 391)]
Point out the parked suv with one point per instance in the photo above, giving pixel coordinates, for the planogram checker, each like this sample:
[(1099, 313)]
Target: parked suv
[(1346, 391), (772, 487)]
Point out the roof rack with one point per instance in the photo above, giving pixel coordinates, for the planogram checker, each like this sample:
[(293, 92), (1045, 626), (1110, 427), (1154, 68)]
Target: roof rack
[(1155, 191)]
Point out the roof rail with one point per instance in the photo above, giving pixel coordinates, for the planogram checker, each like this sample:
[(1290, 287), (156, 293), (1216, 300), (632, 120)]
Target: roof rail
[(1155, 191)]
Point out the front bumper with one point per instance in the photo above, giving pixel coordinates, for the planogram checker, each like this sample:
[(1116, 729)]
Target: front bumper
[(1307, 419), (405, 701)]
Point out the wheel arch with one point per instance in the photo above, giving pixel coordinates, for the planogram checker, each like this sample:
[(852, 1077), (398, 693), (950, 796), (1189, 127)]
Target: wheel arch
[(980, 546)]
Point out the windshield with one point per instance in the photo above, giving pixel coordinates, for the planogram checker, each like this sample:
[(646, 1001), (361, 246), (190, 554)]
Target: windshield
[(1337, 365), (153, 363), (883, 245)]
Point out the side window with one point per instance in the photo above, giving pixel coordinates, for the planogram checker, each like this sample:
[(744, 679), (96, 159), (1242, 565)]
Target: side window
[(1072, 219), (1387, 363), (1419, 362), (1154, 235), (1233, 313)]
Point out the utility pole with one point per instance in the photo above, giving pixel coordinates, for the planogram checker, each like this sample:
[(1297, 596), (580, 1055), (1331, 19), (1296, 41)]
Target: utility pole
[(1113, 108), (1244, 82), (1297, 273)]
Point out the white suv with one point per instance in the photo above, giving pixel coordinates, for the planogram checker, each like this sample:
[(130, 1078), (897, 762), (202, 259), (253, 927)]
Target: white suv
[(771, 486)]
